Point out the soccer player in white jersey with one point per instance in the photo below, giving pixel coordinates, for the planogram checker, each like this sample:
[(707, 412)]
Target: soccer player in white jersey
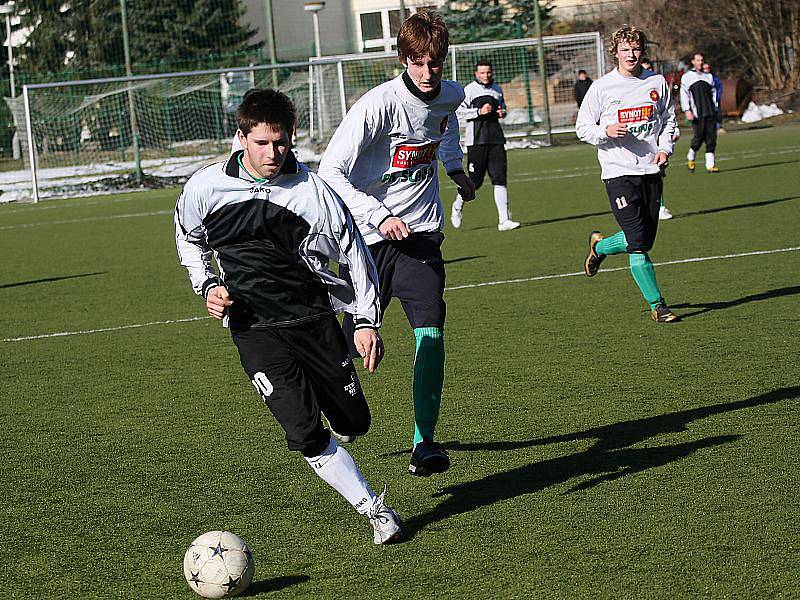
[(483, 107), (273, 226), (382, 161), (628, 115)]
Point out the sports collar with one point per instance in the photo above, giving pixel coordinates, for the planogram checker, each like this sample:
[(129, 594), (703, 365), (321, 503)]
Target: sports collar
[(235, 166), (424, 96)]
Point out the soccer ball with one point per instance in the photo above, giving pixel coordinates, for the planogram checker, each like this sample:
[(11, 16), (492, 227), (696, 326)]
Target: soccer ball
[(218, 564)]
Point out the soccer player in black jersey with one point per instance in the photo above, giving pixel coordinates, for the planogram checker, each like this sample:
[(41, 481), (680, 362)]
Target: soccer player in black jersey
[(273, 226)]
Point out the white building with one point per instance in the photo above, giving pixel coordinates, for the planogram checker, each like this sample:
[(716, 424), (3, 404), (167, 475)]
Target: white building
[(346, 26)]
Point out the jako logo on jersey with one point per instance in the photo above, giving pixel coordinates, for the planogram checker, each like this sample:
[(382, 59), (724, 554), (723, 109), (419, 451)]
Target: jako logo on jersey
[(257, 189), (634, 115), (406, 157), (654, 95)]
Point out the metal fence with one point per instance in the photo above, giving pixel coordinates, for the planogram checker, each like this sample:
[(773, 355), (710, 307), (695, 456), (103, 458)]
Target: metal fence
[(89, 136)]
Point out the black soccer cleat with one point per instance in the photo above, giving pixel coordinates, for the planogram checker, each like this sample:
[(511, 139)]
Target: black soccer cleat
[(592, 263), (662, 314), (427, 458)]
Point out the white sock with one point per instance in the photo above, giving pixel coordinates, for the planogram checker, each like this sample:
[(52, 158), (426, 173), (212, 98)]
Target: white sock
[(501, 201), (710, 160), (458, 203), (691, 154), (338, 469)]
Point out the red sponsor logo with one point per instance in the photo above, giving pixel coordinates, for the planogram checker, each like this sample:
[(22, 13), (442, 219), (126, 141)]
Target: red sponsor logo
[(406, 157), (654, 95), (634, 115)]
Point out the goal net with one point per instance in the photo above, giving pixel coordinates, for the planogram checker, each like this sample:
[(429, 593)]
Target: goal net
[(106, 135)]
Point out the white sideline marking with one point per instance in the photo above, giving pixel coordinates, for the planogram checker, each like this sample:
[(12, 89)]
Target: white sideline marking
[(104, 329), (448, 289), (658, 264), (87, 219)]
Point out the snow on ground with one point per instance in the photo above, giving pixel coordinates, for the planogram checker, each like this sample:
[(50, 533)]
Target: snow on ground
[(109, 177)]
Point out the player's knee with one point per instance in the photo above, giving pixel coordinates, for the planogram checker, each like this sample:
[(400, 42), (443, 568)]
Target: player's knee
[(312, 447)]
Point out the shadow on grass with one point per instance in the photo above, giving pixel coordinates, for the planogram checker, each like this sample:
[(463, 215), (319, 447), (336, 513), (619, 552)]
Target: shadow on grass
[(48, 279), (709, 211), (275, 584), (709, 306), (609, 459), (463, 259), (770, 164), (548, 221)]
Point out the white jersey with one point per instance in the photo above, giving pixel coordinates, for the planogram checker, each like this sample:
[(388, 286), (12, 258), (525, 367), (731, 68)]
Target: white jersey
[(382, 160), (641, 103), (488, 128)]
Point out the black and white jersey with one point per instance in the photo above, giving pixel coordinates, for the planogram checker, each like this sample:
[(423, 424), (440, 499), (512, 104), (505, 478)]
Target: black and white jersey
[(698, 94), (482, 129), (273, 241)]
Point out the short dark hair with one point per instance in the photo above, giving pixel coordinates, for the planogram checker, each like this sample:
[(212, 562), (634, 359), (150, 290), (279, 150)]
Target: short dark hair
[(581, 71), (265, 106), (484, 62), (423, 33)]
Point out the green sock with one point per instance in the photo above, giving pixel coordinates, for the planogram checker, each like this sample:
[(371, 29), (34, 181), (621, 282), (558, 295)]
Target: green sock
[(616, 244), (645, 277), (428, 380)]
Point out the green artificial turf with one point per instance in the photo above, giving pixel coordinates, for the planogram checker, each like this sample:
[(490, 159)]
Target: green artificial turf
[(595, 453)]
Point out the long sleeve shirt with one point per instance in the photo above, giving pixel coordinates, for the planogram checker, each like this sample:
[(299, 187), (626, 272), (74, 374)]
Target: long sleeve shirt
[(482, 129), (641, 103), (698, 94), (273, 240), (382, 159)]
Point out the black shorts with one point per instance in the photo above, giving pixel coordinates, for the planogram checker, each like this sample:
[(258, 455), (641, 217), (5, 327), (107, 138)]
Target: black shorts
[(635, 201), (491, 157), (705, 132), (411, 270), (301, 370)]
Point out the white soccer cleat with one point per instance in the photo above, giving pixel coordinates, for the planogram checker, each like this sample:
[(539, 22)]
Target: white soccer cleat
[(664, 214), (384, 520), (455, 217), (507, 225)]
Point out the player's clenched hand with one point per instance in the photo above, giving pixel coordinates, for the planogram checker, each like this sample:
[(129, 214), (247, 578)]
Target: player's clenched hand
[(466, 188), (689, 115), (617, 130), (218, 301), (486, 109), (370, 347), (661, 160), (394, 229)]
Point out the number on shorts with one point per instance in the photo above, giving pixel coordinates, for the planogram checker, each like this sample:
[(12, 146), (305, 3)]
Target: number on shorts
[(621, 202), (263, 385)]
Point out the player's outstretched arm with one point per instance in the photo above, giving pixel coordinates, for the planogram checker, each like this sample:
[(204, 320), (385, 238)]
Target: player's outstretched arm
[(370, 346)]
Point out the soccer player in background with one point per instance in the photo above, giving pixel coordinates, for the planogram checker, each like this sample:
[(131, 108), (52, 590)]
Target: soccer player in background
[(273, 226), (699, 103), (382, 161), (628, 115), (482, 109)]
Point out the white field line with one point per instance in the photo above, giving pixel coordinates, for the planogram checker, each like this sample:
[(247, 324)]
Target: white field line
[(448, 289), (102, 330), (87, 219)]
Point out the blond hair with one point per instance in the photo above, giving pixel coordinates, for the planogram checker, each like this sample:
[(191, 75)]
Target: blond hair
[(628, 34)]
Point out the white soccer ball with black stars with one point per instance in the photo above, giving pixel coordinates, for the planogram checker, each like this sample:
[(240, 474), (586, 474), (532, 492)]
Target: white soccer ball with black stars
[(218, 564)]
